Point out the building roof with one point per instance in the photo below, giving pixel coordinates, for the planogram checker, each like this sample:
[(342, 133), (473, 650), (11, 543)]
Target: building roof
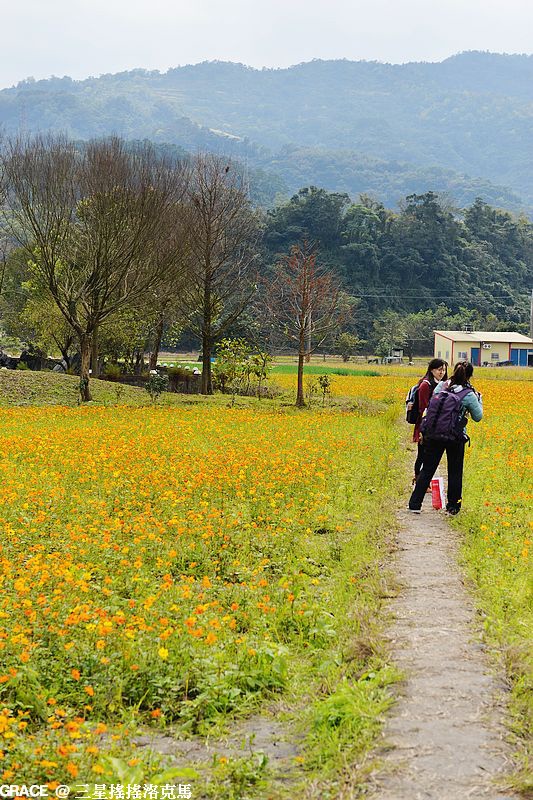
[(506, 337)]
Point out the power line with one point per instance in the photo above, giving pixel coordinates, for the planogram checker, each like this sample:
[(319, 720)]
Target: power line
[(441, 297)]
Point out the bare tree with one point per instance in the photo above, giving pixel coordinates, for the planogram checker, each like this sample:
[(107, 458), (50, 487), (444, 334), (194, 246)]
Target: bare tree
[(223, 245), (305, 304), (3, 265), (98, 223)]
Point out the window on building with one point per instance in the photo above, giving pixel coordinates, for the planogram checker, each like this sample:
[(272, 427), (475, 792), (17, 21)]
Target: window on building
[(438, 354), (495, 356), (462, 356), (447, 355)]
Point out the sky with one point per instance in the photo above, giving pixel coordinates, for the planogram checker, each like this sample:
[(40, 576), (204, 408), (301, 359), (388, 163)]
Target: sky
[(81, 38)]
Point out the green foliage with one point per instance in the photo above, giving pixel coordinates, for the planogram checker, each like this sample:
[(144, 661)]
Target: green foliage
[(324, 381), (156, 385), (421, 268), (112, 372), (347, 719), (230, 366), (236, 779), (347, 344), (237, 364)]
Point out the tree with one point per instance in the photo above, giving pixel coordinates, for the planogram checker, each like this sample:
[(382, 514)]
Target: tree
[(124, 335), (231, 365), (418, 329), (305, 303), (311, 214), (42, 324), (13, 294), (347, 345), (223, 241), (389, 332), (97, 222)]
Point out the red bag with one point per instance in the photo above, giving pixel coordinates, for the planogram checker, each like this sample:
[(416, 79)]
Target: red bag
[(437, 492)]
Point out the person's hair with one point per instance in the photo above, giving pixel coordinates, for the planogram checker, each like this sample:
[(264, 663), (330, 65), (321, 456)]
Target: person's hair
[(436, 363), (462, 373)]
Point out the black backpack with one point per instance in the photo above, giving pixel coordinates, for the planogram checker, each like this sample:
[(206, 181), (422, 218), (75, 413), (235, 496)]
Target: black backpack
[(412, 403)]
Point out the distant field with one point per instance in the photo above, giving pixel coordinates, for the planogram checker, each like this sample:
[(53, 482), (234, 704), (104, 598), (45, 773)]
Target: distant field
[(317, 369)]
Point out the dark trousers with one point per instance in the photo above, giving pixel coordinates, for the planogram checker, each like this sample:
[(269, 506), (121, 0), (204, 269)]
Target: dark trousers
[(433, 452), (419, 459)]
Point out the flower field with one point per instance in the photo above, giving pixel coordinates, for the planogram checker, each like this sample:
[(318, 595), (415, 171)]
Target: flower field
[(498, 530), (179, 565)]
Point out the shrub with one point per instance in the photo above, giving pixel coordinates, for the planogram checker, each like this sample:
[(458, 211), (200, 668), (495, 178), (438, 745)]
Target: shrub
[(112, 372), (155, 385)]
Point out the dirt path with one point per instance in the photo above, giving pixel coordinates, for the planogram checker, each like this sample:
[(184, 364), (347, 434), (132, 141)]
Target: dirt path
[(445, 732)]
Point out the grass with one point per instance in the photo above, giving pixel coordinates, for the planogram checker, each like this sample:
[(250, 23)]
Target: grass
[(316, 369), (26, 388)]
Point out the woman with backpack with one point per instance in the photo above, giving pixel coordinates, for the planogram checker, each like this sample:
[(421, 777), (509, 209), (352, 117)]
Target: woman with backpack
[(443, 429), (436, 372)]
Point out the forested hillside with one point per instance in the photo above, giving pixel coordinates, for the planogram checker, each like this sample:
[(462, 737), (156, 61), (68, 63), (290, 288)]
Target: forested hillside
[(475, 269), (462, 126)]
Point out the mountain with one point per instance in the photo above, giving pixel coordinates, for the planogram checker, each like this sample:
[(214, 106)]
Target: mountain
[(463, 125)]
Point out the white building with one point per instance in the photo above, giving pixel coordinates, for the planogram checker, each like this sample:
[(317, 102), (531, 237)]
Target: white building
[(484, 347)]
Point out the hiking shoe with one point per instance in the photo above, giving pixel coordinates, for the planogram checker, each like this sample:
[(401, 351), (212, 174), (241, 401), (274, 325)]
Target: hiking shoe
[(414, 510), (452, 512)]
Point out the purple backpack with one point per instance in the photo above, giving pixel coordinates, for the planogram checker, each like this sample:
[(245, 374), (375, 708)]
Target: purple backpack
[(444, 418)]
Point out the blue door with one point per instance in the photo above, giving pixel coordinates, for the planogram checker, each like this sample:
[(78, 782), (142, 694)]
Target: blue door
[(474, 356), (523, 358), (514, 355)]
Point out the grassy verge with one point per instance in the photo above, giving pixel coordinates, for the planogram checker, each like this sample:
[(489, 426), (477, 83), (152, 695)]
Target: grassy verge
[(498, 530), (27, 388)]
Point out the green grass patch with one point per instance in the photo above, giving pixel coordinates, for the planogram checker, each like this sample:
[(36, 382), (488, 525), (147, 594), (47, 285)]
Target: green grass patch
[(316, 369)]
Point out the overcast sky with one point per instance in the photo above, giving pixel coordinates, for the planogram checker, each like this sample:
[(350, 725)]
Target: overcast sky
[(90, 37)]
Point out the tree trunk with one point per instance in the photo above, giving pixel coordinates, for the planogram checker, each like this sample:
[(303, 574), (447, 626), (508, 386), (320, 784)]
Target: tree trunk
[(94, 354), (207, 341), (207, 385), (300, 401), (308, 339), (64, 349), (85, 352), (139, 362), (158, 335)]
